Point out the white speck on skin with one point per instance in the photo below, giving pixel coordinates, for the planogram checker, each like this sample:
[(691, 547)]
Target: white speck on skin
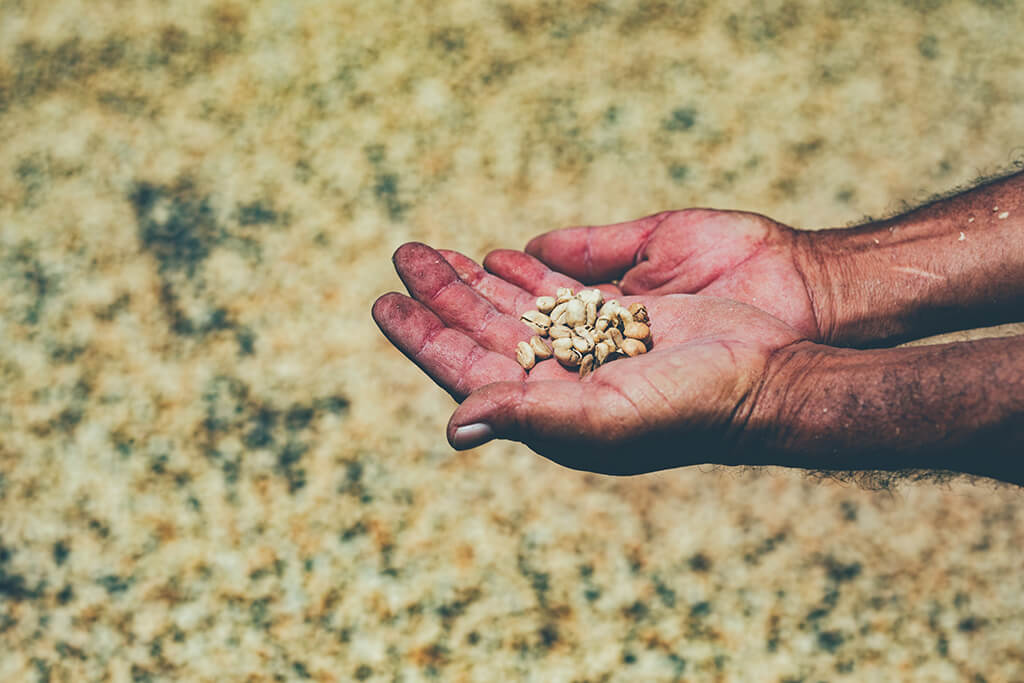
[(876, 240), (994, 209), (962, 237), (971, 219), (910, 270), (1004, 214)]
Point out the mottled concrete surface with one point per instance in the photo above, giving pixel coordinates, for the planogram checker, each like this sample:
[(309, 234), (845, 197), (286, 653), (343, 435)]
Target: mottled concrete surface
[(213, 467)]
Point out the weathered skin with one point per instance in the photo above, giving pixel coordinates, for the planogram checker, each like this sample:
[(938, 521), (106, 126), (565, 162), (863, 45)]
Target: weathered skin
[(736, 375)]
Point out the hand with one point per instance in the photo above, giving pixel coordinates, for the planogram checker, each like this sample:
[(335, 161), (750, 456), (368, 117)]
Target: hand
[(684, 402), (741, 256)]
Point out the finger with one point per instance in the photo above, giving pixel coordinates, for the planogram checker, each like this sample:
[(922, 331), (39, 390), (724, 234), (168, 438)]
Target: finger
[(652, 278), (453, 360), (597, 253), (519, 411), (528, 273), (505, 296), (433, 282), (542, 413)]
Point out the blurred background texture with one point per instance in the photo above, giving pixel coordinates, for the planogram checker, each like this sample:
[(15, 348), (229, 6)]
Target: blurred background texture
[(214, 467)]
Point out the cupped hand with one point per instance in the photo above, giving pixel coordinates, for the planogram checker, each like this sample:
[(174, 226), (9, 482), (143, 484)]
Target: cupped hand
[(732, 254), (686, 401)]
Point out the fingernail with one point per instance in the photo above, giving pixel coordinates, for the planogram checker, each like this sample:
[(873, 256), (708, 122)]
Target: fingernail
[(471, 436)]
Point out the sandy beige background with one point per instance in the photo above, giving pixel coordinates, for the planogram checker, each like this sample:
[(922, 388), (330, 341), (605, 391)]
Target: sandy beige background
[(212, 465)]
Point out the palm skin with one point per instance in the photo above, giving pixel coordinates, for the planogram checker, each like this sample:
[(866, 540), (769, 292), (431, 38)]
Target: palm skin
[(732, 254), (686, 401)]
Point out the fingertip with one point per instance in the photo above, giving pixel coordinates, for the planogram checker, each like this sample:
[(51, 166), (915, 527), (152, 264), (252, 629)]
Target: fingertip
[(406, 251), (382, 304), (470, 436), (535, 246), (496, 258), (466, 268)]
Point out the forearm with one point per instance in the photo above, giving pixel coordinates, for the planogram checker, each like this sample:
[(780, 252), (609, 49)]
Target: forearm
[(954, 407), (954, 264)]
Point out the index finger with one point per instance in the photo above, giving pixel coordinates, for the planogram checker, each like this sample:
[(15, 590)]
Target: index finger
[(596, 253)]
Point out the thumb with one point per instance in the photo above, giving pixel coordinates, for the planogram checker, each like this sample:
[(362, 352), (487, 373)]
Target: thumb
[(598, 253), (534, 413)]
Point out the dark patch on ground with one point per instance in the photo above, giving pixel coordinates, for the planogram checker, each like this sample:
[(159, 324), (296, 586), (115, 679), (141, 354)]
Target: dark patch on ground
[(14, 586), (32, 285), (450, 611), (60, 552), (385, 183), (681, 119), (357, 529), (806, 148), (700, 609), (971, 624), (830, 640), (385, 189), (666, 594), (115, 584), (548, 636), (923, 6), (256, 213), (176, 224), (699, 562), (839, 572), (928, 46), (539, 581), (675, 15), (766, 546), (450, 41), (33, 174), (636, 612), (763, 25), (287, 460), (230, 409), (497, 72)]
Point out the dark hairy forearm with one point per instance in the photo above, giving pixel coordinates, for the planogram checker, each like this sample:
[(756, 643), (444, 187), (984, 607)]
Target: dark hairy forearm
[(956, 407), (953, 264)]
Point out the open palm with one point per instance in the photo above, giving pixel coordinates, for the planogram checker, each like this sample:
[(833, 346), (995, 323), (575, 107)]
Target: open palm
[(733, 254), (684, 402)]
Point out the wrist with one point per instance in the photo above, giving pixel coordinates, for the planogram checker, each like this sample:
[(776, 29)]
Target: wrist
[(771, 433), (860, 293), (822, 274)]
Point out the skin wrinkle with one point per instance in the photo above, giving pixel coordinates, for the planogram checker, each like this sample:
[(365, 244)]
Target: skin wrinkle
[(825, 316), (443, 288), (428, 338), (668, 404), (587, 257), (476, 354), (623, 396), (488, 318), (638, 256)]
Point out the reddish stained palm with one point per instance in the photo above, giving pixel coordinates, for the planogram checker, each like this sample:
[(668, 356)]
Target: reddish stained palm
[(684, 402), (737, 255)]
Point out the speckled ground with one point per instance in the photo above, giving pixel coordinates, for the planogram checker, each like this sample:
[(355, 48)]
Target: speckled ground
[(213, 467)]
